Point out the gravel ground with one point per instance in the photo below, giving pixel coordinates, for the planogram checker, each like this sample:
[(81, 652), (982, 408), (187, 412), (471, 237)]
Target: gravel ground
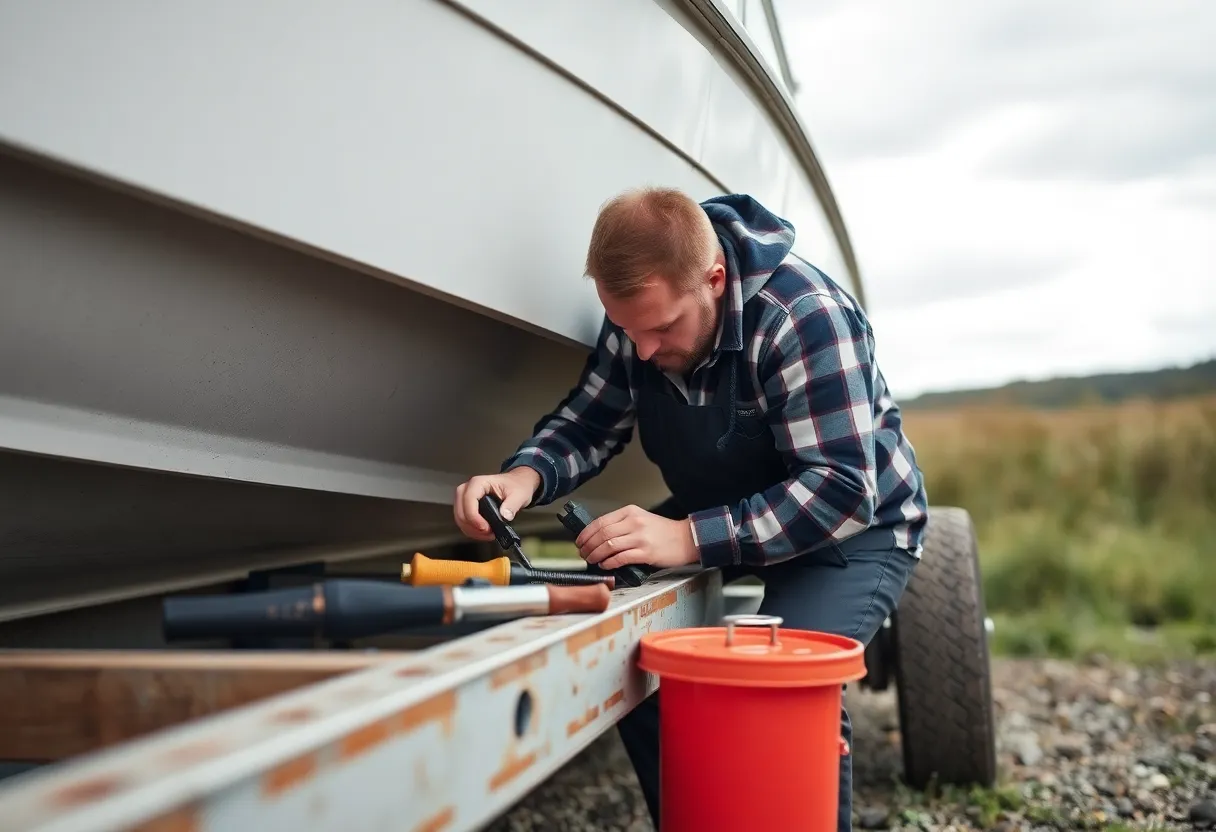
[(1098, 746)]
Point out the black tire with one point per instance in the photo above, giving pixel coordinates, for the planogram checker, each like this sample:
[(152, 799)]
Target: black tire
[(942, 672)]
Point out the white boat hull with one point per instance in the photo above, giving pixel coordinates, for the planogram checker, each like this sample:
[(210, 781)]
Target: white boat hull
[(278, 276)]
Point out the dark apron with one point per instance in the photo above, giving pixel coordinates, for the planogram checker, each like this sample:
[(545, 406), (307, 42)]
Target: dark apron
[(714, 454)]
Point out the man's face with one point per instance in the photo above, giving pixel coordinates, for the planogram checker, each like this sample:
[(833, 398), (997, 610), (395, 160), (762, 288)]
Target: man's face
[(672, 329)]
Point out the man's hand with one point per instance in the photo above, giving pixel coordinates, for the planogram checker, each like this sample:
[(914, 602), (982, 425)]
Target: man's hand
[(632, 535), (514, 490)]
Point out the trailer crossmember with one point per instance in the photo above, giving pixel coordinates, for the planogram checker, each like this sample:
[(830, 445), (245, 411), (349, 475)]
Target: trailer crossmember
[(445, 738)]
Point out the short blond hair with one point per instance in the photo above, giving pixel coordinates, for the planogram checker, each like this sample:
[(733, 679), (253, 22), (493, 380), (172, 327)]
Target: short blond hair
[(648, 233)]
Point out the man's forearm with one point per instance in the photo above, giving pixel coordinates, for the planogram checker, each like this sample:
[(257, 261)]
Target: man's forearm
[(589, 427), (784, 521)]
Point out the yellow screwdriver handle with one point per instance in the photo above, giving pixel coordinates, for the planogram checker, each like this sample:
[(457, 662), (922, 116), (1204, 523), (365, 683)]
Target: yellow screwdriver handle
[(424, 571)]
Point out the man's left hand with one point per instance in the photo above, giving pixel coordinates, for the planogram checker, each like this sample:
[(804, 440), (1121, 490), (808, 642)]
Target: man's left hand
[(632, 535)]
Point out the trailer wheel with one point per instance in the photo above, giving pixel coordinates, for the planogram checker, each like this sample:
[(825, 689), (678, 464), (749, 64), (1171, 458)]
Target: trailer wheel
[(942, 672)]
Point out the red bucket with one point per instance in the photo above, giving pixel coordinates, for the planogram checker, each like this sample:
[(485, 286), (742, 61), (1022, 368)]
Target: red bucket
[(749, 725)]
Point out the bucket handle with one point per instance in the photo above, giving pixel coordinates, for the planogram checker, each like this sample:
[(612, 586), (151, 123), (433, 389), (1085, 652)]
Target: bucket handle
[(745, 620)]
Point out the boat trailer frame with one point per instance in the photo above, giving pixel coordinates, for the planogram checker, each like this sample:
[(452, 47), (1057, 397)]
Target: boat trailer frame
[(444, 738)]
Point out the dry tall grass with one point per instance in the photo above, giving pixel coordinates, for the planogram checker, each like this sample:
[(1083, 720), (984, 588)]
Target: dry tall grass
[(1098, 514)]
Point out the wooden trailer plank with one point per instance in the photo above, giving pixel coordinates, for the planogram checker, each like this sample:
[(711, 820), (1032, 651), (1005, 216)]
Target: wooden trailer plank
[(58, 703)]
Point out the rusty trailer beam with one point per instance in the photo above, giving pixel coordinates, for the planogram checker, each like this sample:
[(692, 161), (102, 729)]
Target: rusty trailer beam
[(446, 738)]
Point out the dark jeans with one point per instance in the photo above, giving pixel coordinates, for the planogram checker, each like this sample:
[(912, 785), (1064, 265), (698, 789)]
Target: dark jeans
[(812, 592)]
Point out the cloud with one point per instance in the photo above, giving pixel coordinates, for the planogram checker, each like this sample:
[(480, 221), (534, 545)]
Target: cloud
[(884, 79), (1030, 185), (1118, 136), (1198, 190), (956, 275)]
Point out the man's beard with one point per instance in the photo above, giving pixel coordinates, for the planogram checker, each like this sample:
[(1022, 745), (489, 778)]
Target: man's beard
[(683, 361)]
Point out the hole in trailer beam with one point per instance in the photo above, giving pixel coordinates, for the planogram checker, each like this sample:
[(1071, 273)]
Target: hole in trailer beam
[(523, 713)]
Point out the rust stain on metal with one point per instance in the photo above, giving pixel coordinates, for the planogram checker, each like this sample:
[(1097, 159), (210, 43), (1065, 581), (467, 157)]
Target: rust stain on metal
[(576, 725), (364, 739), (86, 791), (437, 822), (412, 672), (615, 699), (193, 752), (593, 634), (179, 820), (518, 670), (512, 766), (286, 777), (667, 599), (439, 708), (543, 622), (295, 715)]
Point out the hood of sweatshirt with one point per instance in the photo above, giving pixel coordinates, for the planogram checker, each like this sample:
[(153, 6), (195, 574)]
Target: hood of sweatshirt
[(754, 239), (755, 242)]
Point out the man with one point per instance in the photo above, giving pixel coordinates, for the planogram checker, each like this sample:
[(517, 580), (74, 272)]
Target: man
[(751, 379)]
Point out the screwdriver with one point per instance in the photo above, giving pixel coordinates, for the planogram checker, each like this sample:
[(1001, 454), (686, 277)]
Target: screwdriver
[(348, 608), (508, 540), (424, 571)]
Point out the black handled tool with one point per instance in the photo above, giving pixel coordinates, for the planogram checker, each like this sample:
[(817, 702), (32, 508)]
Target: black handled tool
[(424, 571), (576, 518), (508, 539), (349, 608)]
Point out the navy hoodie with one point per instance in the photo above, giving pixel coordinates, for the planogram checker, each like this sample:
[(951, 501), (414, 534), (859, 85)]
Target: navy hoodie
[(809, 368)]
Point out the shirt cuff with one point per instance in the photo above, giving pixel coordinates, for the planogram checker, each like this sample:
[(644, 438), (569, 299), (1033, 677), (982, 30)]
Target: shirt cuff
[(542, 465), (713, 533)]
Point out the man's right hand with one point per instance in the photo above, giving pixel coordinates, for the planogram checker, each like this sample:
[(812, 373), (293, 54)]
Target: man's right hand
[(514, 490)]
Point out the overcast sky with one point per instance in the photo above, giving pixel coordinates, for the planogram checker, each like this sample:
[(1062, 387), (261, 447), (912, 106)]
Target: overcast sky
[(1030, 184)]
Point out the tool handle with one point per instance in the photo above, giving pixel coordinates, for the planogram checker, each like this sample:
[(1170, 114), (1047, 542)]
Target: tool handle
[(576, 599), (277, 612), (361, 608), (424, 571), (575, 518), (491, 510), (341, 609)]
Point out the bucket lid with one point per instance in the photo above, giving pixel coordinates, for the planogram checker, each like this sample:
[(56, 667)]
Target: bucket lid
[(751, 657)]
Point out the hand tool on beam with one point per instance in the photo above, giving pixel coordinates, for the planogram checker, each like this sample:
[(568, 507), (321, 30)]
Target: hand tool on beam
[(351, 608), (424, 571), (508, 539), (576, 518)]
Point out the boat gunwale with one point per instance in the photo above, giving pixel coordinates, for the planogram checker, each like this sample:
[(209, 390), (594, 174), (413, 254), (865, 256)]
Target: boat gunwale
[(739, 46)]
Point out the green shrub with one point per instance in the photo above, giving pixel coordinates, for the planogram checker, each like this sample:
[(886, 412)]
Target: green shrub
[(1106, 513)]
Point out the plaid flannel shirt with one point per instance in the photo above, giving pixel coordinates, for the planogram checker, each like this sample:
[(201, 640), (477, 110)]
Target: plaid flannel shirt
[(812, 373)]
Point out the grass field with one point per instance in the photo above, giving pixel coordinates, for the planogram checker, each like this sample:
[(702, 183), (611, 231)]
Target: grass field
[(1097, 525)]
